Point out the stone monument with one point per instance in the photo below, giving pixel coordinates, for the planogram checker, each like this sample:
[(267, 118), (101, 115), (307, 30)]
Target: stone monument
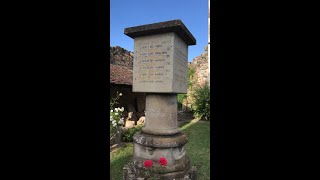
[(160, 70)]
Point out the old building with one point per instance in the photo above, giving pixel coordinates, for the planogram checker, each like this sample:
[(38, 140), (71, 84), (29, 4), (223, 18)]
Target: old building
[(121, 81)]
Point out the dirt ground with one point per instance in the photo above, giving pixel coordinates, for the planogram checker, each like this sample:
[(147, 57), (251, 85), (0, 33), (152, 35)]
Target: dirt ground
[(184, 117)]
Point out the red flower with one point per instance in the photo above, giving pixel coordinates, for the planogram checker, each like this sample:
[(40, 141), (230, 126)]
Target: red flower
[(147, 163), (163, 161)]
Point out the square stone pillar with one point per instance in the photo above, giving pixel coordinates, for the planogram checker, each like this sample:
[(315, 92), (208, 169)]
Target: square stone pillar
[(160, 69)]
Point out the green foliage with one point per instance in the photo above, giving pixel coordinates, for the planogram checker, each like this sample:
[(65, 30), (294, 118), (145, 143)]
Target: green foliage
[(128, 136), (114, 101), (116, 118), (180, 98), (191, 73), (118, 159), (201, 104)]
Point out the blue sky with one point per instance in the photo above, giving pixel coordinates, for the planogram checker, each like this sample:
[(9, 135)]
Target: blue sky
[(128, 13)]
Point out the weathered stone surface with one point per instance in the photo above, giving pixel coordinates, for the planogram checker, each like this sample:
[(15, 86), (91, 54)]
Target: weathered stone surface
[(130, 173), (129, 124), (176, 157), (161, 114), (141, 120), (180, 165), (200, 65), (121, 57), (148, 140), (160, 64), (152, 147)]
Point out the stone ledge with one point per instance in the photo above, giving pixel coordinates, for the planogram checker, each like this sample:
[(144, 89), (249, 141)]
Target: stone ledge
[(159, 132), (149, 140), (162, 27)]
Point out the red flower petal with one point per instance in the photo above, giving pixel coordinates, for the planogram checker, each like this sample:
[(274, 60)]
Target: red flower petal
[(163, 161), (147, 163)]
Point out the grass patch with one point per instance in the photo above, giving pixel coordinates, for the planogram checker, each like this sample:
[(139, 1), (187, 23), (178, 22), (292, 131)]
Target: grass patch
[(198, 150), (118, 159), (198, 146)]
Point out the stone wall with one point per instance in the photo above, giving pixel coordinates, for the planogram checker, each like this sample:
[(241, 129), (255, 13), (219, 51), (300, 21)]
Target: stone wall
[(121, 56), (200, 77), (200, 65)]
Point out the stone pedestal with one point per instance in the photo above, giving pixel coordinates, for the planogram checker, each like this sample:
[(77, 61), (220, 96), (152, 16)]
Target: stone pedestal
[(161, 114), (160, 137), (160, 69)]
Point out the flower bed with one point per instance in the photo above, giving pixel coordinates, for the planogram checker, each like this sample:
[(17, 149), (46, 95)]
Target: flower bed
[(116, 121)]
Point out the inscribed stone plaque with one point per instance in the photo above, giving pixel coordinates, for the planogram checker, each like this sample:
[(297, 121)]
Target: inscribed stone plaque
[(160, 64)]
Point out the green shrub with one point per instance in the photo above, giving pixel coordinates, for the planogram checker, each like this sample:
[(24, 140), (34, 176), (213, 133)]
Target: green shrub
[(191, 73), (180, 98), (128, 135), (201, 106)]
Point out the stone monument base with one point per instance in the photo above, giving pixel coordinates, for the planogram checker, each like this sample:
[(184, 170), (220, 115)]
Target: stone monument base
[(153, 147), (132, 173)]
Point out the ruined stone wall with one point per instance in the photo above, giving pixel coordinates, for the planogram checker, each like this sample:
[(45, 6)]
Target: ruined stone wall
[(200, 77), (200, 65), (121, 56)]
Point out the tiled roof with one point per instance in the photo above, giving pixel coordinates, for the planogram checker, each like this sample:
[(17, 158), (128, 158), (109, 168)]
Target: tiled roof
[(120, 75)]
